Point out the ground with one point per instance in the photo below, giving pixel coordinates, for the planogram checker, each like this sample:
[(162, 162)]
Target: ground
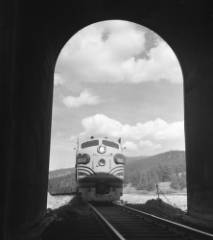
[(66, 213), (177, 200)]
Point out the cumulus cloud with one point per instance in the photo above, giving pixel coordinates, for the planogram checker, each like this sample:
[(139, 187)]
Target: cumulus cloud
[(149, 144), (144, 147), (131, 146), (85, 98), (147, 137), (157, 129), (58, 80), (100, 124), (161, 64), (108, 52), (171, 131)]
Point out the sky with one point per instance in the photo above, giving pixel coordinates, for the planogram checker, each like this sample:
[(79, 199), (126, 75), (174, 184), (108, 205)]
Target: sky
[(120, 79)]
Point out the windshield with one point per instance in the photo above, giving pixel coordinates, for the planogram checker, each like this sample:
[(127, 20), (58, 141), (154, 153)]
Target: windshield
[(90, 144), (110, 144)]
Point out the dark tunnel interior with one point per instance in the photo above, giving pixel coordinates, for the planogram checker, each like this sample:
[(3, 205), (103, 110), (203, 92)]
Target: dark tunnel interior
[(33, 34)]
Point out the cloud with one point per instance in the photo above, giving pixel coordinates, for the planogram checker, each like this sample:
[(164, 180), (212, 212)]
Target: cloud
[(161, 64), (58, 80), (157, 129), (108, 52), (149, 144), (147, 137), (85, 98), (143, 147), (62, 154), (131, 146), (171, 131)]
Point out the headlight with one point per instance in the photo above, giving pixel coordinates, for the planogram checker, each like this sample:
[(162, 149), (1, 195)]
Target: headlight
[(101, 149), (102, 162), (119, 158), (83, 158)]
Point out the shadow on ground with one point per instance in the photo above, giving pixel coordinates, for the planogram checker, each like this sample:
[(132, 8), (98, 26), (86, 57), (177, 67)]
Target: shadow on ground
[(65, 222), (71, 220)]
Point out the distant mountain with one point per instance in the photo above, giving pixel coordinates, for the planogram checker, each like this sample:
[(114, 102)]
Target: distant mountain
[(62, 181), (144, 172), (144, 163), (61, 172)]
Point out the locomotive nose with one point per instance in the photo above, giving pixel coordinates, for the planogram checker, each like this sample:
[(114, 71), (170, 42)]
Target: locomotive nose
[(102, 162)]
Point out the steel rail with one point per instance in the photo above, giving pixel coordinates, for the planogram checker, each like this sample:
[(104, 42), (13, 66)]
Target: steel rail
[(175, 224), (117, 234)]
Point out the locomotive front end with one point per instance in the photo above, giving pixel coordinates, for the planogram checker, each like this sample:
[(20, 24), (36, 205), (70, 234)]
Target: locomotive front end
[(100, 169)]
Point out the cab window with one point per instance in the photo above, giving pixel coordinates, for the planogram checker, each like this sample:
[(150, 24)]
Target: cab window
[(90, 144), (110, 144)]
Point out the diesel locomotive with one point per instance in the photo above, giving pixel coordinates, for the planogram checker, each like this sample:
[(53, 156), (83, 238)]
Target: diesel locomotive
[(100, 169)]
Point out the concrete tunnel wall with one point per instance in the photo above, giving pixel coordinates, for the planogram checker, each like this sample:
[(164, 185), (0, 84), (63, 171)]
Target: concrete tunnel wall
[(33, 35)]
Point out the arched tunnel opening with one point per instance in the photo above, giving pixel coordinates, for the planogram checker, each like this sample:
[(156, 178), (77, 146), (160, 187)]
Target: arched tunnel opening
[(119, 79), (30, 48)]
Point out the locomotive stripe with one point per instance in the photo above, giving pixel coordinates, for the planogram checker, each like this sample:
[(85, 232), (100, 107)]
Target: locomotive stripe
[(118, 171), (80, 174), (85, 167), (120, 166), (117, 168), (86, 171), (115, 173)]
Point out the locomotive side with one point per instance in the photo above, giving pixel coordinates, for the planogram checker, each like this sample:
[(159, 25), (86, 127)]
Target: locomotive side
[(100, 169)]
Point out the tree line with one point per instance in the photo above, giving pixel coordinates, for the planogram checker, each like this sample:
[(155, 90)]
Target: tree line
[(138, 178), (62, 185), (147, 179)]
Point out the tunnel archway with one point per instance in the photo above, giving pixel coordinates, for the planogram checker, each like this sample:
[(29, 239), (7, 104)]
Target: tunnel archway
[(133, 65), (31, 46)]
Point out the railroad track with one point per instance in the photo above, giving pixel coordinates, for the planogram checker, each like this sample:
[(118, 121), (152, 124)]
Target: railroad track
[(127, 223)]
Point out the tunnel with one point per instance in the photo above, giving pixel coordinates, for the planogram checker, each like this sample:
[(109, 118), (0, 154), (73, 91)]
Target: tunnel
[(32, 35)]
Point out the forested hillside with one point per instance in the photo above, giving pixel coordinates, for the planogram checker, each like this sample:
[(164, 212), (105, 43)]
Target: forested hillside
[(141, 172), (61, 172), (62, 181)]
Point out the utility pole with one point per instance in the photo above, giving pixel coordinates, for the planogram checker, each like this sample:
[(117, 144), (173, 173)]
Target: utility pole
[(158, 192)]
